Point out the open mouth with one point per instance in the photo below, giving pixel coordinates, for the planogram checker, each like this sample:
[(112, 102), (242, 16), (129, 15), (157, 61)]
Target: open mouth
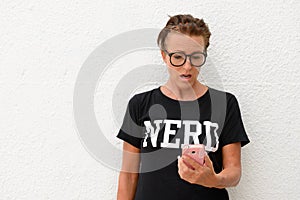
[(186, 76)]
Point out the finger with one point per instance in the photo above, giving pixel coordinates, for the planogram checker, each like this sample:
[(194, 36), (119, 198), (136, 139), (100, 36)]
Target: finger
[(183, 170), (181, 165), (191, 162)]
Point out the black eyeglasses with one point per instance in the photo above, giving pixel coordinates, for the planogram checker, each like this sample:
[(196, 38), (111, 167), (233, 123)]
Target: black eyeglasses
[(178, 58)]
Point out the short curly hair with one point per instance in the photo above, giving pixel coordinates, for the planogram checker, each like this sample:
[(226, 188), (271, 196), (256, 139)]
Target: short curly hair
[(185, 24)]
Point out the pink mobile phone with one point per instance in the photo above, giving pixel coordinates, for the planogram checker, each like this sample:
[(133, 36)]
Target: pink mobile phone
[(194, 151)]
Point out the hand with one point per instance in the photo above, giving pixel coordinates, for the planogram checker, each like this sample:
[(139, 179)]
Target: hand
[(200, 174)]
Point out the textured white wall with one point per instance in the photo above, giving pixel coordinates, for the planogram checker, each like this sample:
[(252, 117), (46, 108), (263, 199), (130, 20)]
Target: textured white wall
[(254, 46)]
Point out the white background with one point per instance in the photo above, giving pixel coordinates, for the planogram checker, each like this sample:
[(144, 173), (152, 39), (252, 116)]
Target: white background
[(254, 46)]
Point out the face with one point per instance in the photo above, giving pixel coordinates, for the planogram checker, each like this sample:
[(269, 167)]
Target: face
[(188, 44)]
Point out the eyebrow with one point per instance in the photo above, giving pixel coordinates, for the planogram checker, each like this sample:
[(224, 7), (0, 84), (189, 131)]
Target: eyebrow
[(177, 50)]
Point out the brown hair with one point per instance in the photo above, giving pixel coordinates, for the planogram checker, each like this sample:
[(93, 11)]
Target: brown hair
[(185, 24)]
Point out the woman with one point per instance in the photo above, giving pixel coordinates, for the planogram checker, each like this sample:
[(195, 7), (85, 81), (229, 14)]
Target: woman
[(160, 121)]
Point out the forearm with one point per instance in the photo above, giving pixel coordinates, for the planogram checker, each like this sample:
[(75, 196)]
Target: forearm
[(228, 177), (127, 185)]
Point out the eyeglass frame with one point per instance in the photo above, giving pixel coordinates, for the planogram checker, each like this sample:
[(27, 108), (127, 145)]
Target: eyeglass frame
[(186, 55)]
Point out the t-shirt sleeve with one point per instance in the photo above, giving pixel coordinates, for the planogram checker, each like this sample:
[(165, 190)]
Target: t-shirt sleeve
[(131, 129), (233, 130)]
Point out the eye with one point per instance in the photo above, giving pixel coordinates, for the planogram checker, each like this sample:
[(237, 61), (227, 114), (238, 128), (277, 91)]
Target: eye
[(196, 57), (178, 56)]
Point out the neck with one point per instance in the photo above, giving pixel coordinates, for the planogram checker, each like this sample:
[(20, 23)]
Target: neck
[(185, 93)]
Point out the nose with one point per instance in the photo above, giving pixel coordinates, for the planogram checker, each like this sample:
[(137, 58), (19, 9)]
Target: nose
[(187, 65)]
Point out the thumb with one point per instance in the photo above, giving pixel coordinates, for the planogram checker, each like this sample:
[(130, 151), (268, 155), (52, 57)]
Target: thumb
[(207, 161)]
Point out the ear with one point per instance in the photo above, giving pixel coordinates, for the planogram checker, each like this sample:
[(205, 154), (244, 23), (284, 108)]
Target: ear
[(163, 55)]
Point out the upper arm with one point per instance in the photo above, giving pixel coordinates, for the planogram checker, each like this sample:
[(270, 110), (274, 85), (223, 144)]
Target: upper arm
[(131, 158), (232, 155)]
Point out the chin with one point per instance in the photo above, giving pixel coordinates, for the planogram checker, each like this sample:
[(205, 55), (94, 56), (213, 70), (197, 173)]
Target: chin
[(186, 85)]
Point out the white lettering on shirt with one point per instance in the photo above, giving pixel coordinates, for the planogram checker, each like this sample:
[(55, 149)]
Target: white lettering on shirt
[(153, 132), (208, 126), (169, 132), (188, 133)]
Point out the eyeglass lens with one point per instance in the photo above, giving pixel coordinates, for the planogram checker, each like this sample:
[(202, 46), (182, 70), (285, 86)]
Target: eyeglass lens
[(179, 58)]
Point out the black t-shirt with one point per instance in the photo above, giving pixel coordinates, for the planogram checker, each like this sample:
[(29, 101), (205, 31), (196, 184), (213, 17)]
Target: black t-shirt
[(159, 125)]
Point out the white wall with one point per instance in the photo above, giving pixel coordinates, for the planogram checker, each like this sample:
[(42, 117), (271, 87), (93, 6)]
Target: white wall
[(43, 44)]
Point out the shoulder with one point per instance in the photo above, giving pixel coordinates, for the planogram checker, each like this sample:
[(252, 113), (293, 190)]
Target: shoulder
[(223, 101), (222, 95), (143, 96)]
